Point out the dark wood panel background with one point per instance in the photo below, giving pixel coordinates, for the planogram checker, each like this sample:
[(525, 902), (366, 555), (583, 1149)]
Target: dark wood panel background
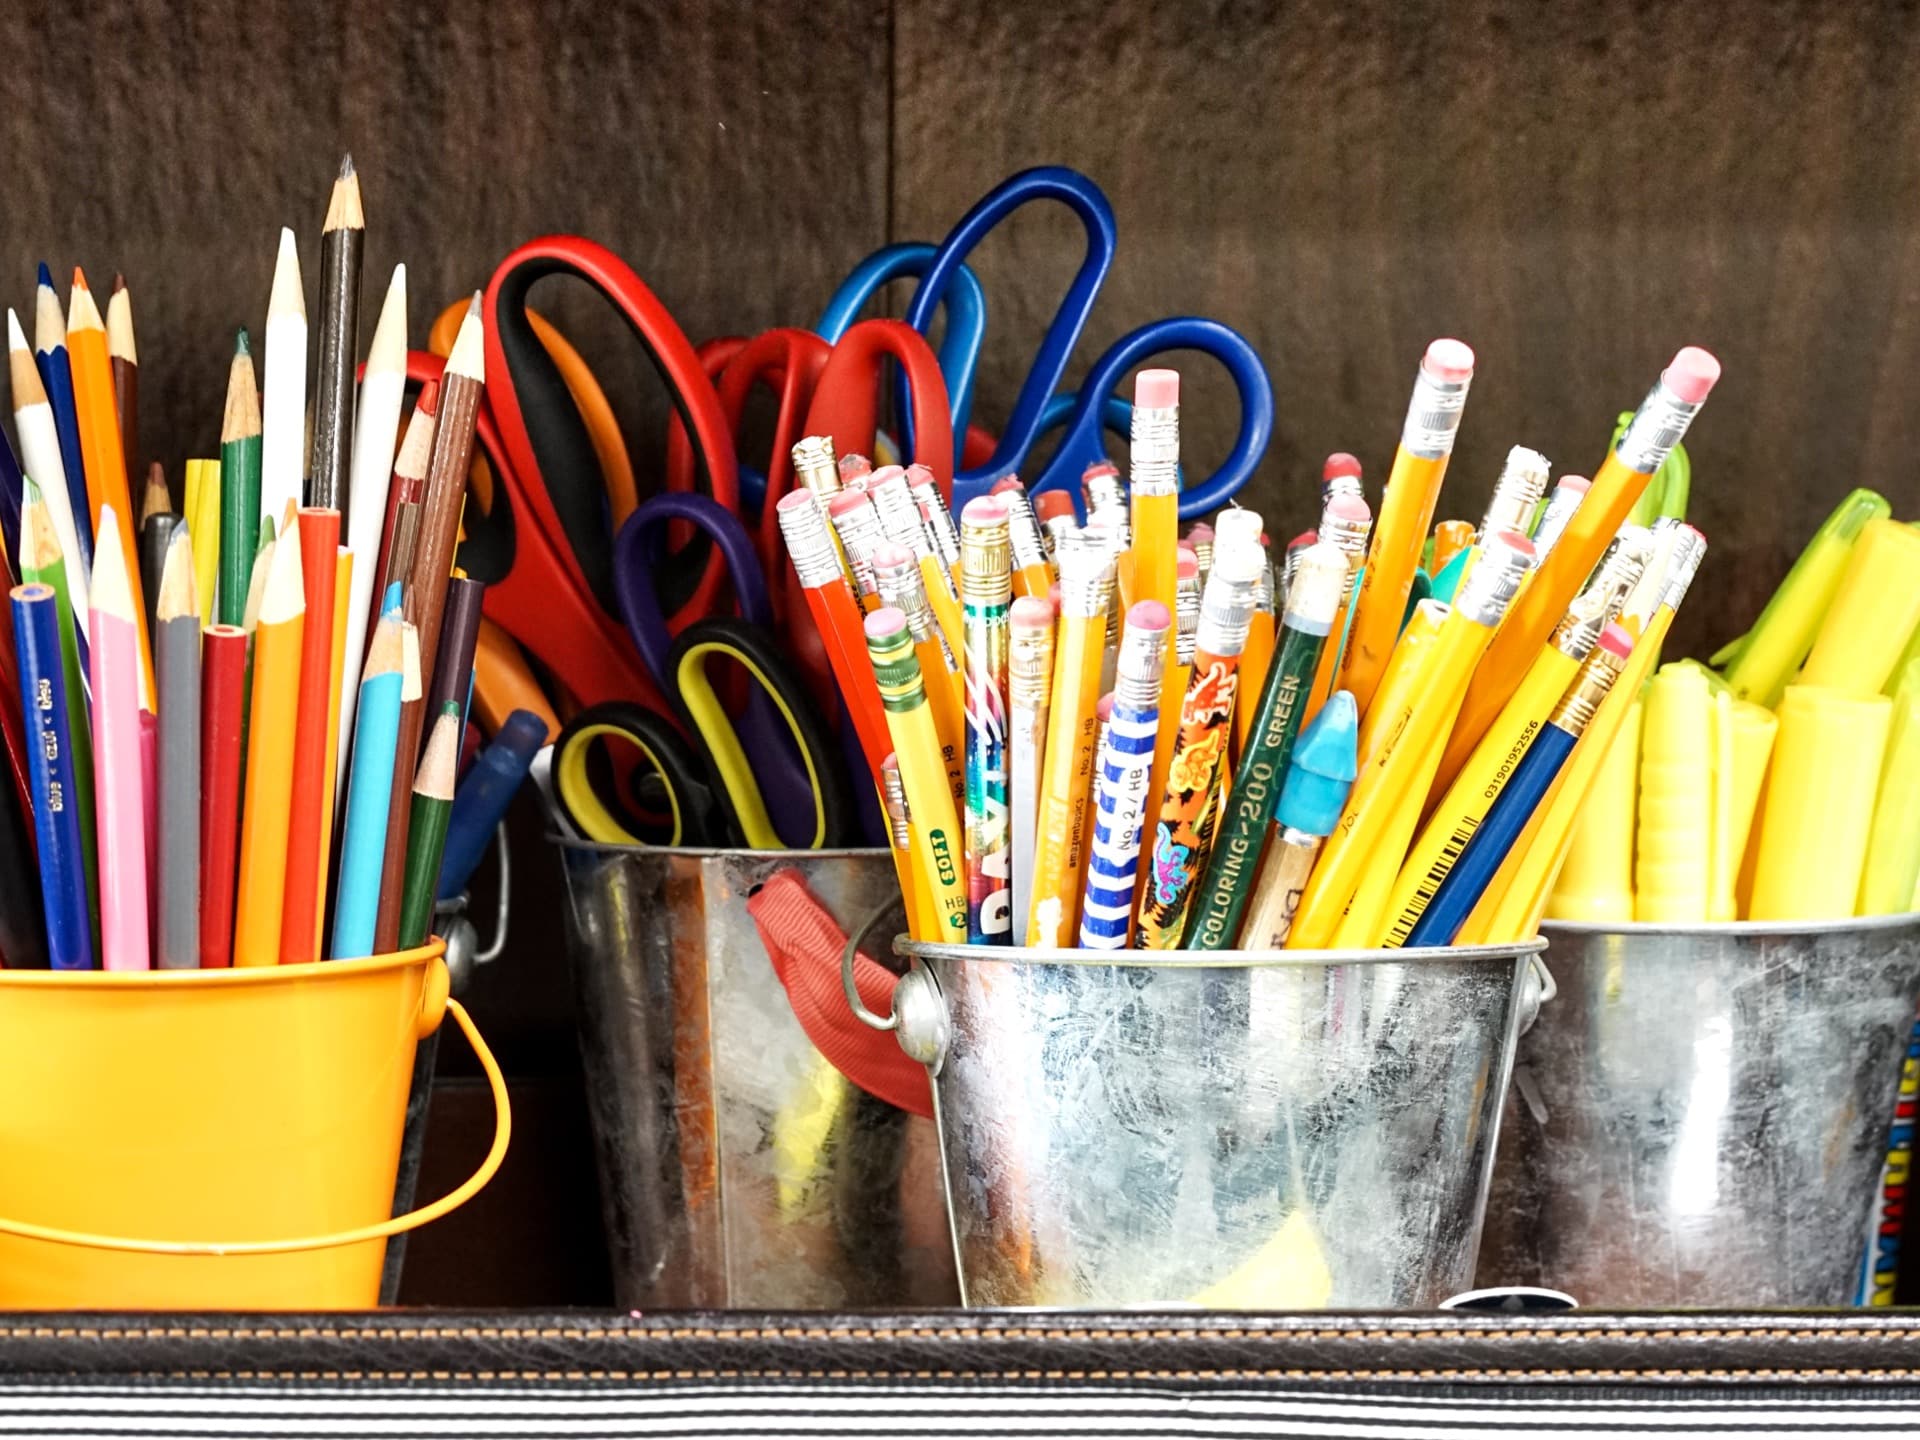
[(1574, 189)]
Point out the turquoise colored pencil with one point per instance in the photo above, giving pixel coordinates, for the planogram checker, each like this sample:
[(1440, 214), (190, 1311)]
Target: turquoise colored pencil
[(376, 737)]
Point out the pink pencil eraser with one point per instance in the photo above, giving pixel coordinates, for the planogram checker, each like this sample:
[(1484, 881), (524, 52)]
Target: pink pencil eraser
[(918, 474), (1030, 612), (1049, 503), (1006, 483), (1200, 534), (1187, 566), (853, 465), (1104, 709), (1516, 542), (1148, 615), (1156, 389), (846, 502), (1340, 463), (1616, 640), (794, 499), (885, 475), (889, 555), (1099, 467), (1304, 539), (1578, 484), (984, 511), (1691, 375), (1349, 507), (890, 761), (1053, 597), (1449, 361), (886, 621)]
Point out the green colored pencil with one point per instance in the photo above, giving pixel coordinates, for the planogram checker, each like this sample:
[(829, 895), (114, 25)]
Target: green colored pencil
[(1233, 870), (239, 485), (427, 825)]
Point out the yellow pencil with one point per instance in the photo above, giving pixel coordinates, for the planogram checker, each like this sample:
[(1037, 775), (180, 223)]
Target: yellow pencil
[(277, 640), (1065, 826), (1400, 749), (203, 516), (1154, 464)]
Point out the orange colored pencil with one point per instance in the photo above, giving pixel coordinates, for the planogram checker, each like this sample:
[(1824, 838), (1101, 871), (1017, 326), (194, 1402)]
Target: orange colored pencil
[(310, 808), (278, 638), (101, 451)]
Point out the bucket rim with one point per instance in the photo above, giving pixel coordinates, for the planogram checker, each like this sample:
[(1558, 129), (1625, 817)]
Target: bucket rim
[(1219, 959), (1849, 925), (238, 975), (718, 852)]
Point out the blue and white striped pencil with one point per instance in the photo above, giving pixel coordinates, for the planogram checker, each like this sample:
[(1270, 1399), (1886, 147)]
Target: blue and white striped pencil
[(1122, 778)]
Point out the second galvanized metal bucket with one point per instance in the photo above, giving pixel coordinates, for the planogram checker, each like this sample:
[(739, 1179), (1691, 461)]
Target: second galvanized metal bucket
[(1701, 1117), (1285, 1130), (740, 1168)]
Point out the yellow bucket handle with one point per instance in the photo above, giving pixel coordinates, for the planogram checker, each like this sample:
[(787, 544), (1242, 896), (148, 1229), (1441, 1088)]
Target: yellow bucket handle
[(502, 1131)]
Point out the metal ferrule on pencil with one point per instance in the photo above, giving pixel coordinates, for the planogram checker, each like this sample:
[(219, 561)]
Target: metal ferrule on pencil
[(935, 518), (1227, 604), (1060, 531), (1433, 414), (899, 515), (896, 674), (810, 543), (860, 535), (1596, 607), (1319, 583), (1689, 549), (1086, 582), (1136, 680), (1492, 583), (900, 586), (1516, 494), (894, 792), (1553, 523), (986, 575), (1186, 619), (1023, 531), (1576, 708), (1657, 426), (1154, 460), (1106, 500), (1029, 666), (814, 466)]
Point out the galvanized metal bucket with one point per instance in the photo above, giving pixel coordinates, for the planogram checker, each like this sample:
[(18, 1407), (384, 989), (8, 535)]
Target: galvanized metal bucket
[(1701, 1117), (1238, 1130), (738, 1167)]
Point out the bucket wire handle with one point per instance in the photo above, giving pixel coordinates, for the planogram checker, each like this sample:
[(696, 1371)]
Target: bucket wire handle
[(502, 1131), (854, 1002)]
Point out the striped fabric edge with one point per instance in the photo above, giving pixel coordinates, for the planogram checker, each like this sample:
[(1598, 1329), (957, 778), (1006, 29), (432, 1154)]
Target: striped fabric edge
[(294, 1410)]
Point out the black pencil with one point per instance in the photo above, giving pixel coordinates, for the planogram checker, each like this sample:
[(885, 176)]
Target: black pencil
[(340, 244)]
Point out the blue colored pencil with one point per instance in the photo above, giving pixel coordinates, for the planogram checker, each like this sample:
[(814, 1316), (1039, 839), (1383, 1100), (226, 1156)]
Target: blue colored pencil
[(11, 492), (56, 816), (376, 738), (56, 373)]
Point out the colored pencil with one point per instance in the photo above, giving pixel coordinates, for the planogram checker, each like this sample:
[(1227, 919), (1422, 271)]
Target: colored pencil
[(340, 244), (56, 376), (336, 659), (40, 449), (239, 484), (222, 698), (156, 538), (117, 770), (203, 524), (12, 492), (460, 389), (105, 462), (283, 399), (62, 841), (308, 808), (41, 563), (987, 591), (273, 709), (369, 790), (376, 424), (427, 828), (125, 361), (177, 660)]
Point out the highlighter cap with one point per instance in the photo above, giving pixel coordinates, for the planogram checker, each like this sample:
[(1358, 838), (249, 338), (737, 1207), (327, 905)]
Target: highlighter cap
[(1325, 761)]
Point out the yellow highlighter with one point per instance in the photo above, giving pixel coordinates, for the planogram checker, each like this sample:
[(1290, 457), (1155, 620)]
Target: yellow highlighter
[(1483, 772), (1595, 884), (1819, 806), (1405, 741), (1893, 847), (1740, 770), (1672, 840), (1874, 612), (1765, 659)]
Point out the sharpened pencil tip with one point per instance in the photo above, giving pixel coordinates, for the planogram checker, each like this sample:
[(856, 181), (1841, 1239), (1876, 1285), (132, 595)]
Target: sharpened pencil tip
[(119, 282), (79, 279), (46, 275), (346, 165)]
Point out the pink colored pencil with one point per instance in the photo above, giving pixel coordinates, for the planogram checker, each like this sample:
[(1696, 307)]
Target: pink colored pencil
[(120, 794)]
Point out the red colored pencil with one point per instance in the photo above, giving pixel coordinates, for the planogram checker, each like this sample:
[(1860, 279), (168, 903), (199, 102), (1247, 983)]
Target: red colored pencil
[(307, 813), (223, 667)]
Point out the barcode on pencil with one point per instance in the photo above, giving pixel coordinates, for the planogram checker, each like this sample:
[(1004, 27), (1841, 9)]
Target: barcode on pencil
[(1435, 877)]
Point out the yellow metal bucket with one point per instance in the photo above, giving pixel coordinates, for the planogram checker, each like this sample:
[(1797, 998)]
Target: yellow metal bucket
[(214, 1139)]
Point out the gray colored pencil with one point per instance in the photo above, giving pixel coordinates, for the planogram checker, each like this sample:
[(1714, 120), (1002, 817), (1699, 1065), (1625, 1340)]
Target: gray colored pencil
[(177, 678)]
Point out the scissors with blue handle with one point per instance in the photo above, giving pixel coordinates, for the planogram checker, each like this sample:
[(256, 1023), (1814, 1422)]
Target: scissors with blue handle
[(1081, 442), (778, 756)]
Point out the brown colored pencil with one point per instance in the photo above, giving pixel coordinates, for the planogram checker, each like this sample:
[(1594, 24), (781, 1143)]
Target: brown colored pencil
[(340, 245), (460, 389)]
